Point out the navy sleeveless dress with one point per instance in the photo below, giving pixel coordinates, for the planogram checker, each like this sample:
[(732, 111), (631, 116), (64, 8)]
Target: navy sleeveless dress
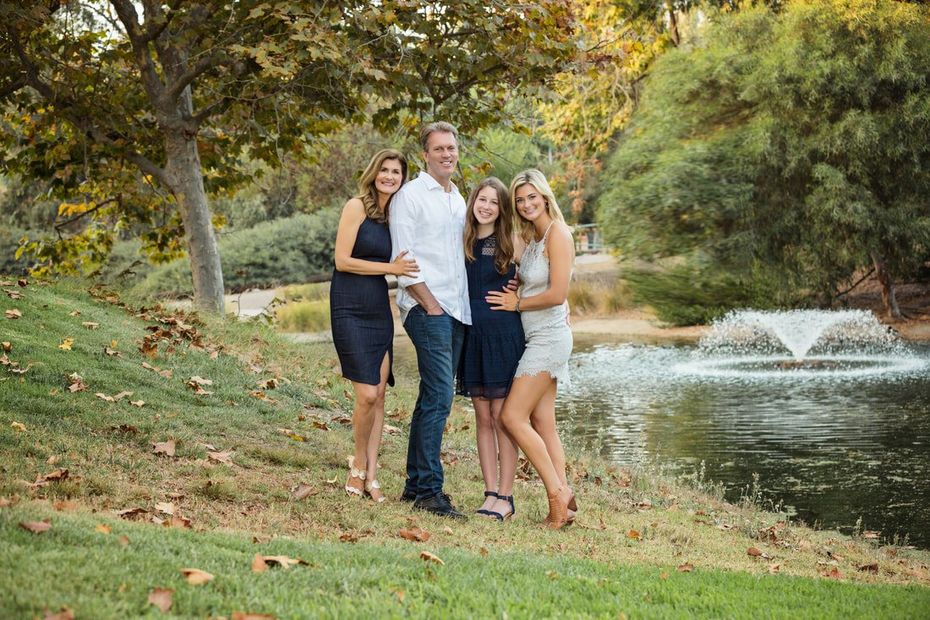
[(494, 341), (360, 313)]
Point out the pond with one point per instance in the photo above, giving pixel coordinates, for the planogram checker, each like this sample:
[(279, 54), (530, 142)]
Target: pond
[(839, 435)]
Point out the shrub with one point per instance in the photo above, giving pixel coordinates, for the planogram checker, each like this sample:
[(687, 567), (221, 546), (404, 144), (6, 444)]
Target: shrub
[(9, 242), (304, 316), (293, 249), (581, 296), (306, 292)]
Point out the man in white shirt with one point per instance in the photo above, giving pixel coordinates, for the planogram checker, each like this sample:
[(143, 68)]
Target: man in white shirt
[(427, 219)]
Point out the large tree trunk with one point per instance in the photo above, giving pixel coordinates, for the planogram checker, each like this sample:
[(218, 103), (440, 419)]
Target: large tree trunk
[(888, 294), (186, 178)]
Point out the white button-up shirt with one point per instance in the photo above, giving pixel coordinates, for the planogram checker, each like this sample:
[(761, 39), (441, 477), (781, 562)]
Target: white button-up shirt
[(429, 223)]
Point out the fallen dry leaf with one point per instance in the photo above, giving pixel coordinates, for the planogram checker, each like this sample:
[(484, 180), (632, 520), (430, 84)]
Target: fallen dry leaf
[(62, 614), (36, 527), (103, 396), (65, 505), (131, 514), (774, 568), (448, 530), (13, 294), (66, 344), (320, 425), (414, 534), (348, 537), (123, 540), (868, 568), (13, 314), (7, 346), (754, 552), (687, 567), (137, 403), (177, 521), (103, 528), (221, 457), (90, 325), (18, 426), (246, 615), (22, 282), (111, 351), (303, 491), (76, 383), (833, 573), (258, 564), (633, 534), (195, 576), (53, 476), (121, 395), (165, 507), (426, 556), (6, 502), (871, 535), (164, 447), (161, 598), (391, 430), (167, 373), (283, 561), (74, 313), (268, 384), (200, 380)]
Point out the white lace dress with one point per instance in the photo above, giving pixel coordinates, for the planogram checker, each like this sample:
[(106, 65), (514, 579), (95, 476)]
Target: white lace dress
[(548, 336)]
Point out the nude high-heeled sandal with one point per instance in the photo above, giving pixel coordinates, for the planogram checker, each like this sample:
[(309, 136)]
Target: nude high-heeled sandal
[(354, 473)]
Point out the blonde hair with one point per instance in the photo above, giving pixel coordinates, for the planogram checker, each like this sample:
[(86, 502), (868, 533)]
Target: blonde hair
[(503, 226), (367, 192), (537, 179)]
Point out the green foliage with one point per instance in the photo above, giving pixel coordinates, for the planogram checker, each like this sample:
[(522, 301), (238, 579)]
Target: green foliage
[(9, 242), (689, 294), (314, 291), (279, 252), (303, 316), (795, 142)]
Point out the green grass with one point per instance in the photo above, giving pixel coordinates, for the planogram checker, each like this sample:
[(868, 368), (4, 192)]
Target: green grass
[(98, 577), (633, 527)]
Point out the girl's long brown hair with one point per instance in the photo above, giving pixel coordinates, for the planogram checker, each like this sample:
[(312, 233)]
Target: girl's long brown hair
[(367, 192), (503, 226)]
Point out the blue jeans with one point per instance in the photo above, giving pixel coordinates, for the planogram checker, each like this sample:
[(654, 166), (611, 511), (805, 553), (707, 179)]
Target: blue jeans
[(438, 342)]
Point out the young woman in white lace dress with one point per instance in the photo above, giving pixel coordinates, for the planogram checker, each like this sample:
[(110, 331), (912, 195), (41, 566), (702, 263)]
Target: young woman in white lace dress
[(545, 271)]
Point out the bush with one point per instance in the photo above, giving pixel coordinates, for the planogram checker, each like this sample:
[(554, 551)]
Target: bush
[(690, 294), (293, 249), (304, 316), (306, 292), (9, 242)]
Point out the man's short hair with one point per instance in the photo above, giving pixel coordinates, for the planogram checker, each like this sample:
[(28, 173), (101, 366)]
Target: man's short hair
[(440, 126)]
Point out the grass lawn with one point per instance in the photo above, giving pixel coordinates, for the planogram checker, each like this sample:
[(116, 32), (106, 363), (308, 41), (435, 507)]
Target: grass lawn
[(261, 457)]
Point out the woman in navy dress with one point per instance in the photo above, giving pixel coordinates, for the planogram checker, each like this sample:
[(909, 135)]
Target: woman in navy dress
[(360, 312), (494, 342)]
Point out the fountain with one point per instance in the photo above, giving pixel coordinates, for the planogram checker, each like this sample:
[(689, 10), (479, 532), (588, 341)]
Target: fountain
[(821, 343), (830, 408)]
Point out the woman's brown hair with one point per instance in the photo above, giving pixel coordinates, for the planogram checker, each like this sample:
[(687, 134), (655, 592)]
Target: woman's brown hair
[(503, 226), (367, 192)]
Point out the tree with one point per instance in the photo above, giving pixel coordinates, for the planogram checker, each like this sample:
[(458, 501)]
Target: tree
[(794, 143), (137, 110)]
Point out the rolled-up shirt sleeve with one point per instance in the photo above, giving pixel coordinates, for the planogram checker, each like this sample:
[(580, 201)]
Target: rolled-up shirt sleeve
[(403, 226)]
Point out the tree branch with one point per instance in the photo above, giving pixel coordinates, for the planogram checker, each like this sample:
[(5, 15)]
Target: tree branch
[(177, 86), (61, 225), (12, 87), (130, 18)]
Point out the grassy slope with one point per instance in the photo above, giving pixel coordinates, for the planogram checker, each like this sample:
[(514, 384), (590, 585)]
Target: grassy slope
[(525, 567)]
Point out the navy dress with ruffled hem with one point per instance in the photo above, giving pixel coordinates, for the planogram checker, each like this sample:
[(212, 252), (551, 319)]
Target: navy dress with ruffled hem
[(494, 341)]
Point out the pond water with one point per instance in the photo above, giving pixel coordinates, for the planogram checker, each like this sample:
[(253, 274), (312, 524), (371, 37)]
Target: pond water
[(840, 435)]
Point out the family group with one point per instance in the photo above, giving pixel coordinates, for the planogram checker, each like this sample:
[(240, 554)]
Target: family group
[(482, 294)]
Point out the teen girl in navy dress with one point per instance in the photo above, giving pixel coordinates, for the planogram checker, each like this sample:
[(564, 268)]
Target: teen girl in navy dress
[(363, 327), (494, 342)]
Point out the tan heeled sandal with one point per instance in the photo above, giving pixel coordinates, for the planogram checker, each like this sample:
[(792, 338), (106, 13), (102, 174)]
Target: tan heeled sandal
[(354, 473), (558, 511), (374, 484)]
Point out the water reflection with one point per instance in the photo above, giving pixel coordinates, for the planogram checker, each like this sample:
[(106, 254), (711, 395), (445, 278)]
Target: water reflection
[(836, 450)]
